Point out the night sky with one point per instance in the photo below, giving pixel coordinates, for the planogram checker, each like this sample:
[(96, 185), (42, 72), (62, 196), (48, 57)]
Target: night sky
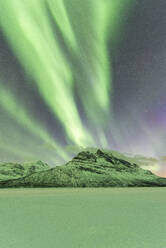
[(82, 74)]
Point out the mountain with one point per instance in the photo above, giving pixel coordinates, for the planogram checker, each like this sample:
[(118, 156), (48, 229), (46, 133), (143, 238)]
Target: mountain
[(150, 163), (17, 170), (90, 169)]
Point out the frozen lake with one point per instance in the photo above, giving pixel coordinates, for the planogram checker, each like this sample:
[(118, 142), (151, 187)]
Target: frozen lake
[(83, 218)]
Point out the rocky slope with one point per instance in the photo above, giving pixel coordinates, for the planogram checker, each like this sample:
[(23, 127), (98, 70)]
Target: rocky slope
[(90, 169), (17, 170)]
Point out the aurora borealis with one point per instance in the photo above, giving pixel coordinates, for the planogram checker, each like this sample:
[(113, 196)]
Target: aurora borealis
[(81, 73)]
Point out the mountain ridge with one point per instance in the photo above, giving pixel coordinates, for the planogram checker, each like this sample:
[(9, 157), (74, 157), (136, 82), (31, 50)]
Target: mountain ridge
[(11, 170), (90, 169)]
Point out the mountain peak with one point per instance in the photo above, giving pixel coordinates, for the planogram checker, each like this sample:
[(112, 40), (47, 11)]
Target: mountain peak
[(101, 159)]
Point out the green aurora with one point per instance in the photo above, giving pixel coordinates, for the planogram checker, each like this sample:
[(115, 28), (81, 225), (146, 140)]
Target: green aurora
[(63, 46)]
